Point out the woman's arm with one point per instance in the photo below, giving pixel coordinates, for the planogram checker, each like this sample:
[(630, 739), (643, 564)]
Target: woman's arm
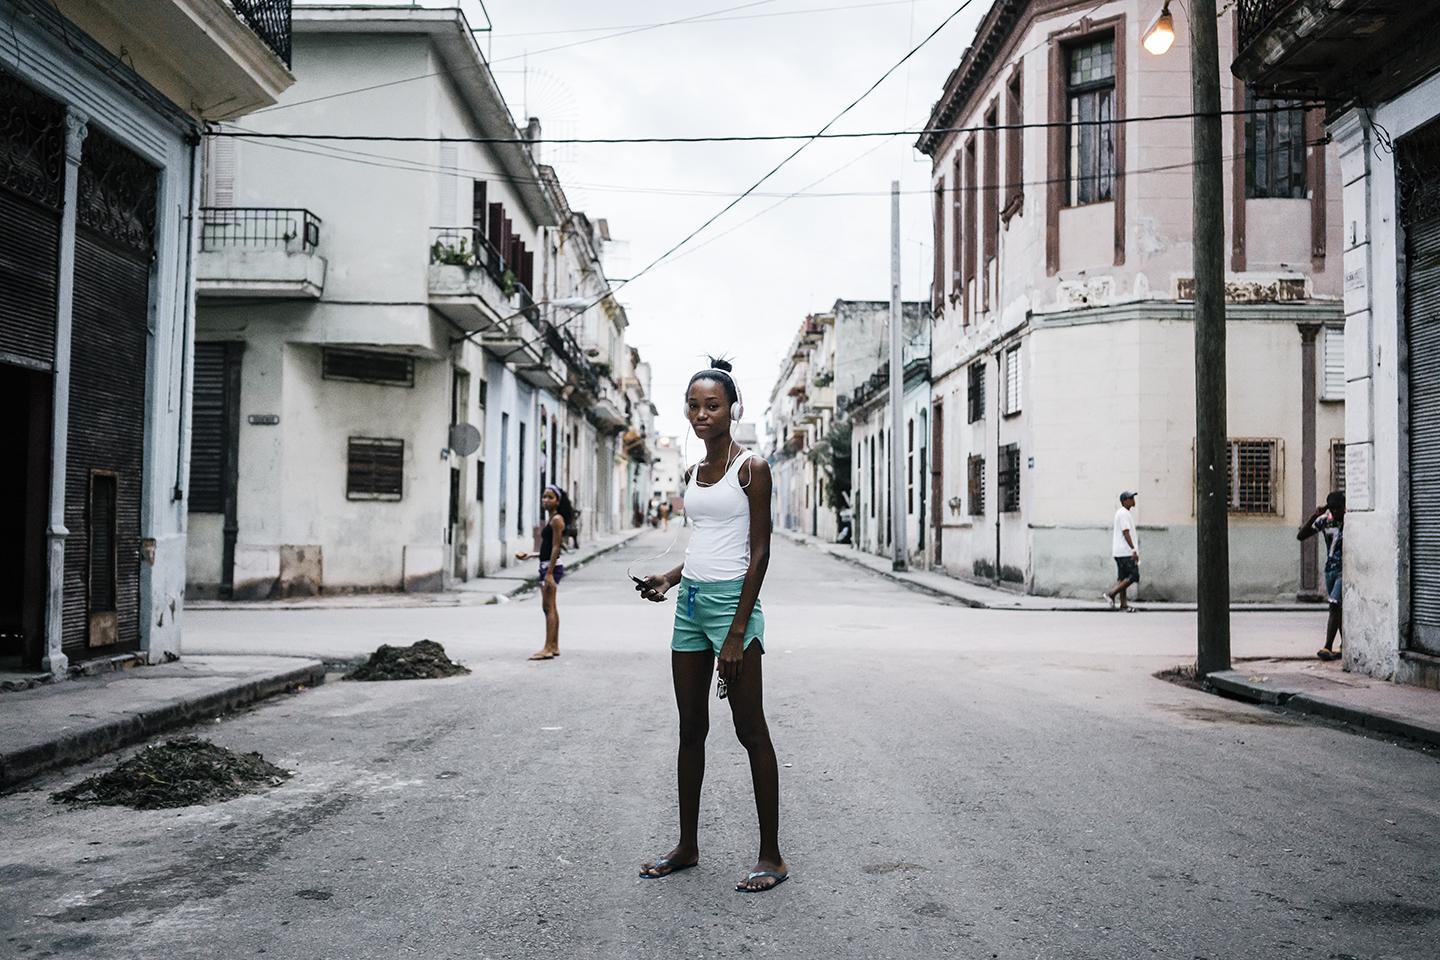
[(757, 491)]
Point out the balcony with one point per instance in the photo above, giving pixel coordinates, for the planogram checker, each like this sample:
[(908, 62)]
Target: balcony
[(471, 284), (232, 56), (608, 410), (1335, 50), (259, 252)]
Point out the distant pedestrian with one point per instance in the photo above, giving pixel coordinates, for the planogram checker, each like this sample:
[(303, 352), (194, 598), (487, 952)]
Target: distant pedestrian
[(665, 514), (1125, 548), (1328, 520), (559, 516), (717, 613)]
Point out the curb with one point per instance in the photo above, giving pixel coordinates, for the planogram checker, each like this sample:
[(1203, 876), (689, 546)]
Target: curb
[(1307, 703), (522, 584), (977, 604), (77, 746)]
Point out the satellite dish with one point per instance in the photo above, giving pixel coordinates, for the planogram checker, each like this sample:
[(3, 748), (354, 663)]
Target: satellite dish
[(464, 438)]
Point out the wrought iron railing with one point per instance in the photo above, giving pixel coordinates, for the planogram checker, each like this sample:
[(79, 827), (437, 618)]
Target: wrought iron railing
[(270, 19), (1254, 16), (277, 228), (468, 247)]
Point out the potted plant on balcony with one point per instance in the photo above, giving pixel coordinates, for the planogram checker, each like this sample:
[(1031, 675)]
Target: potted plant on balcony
[(451, 254)]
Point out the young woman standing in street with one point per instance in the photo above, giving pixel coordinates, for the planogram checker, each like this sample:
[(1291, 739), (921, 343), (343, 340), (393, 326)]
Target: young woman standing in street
[(559, 517), (717, 615)]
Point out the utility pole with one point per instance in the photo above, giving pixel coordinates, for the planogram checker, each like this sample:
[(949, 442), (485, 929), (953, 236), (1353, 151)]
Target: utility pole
[(1212, 559), (897, 388)]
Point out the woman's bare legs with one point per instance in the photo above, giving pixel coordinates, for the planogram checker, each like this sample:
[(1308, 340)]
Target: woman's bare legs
[(692, 673), (747, 709), (552, 624)]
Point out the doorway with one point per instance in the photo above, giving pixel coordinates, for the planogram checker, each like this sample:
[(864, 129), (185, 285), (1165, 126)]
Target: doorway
[(24, 504)]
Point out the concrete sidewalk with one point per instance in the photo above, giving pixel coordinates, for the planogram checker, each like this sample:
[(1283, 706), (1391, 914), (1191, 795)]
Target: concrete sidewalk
[(1324, 689), (978, 595), (57, 724), (507, 583)]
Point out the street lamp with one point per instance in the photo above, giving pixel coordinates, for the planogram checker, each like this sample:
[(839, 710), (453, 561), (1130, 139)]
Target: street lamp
[(1212, 537), (1160, 35)]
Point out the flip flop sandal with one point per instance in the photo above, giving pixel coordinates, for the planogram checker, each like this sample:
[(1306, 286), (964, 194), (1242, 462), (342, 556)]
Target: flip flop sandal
[(779, 879), (663, 863)]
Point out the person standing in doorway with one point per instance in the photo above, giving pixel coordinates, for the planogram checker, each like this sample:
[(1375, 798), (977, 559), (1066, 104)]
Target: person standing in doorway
[(1328, 520), (719, 625), (559, 517), (1125, 548)]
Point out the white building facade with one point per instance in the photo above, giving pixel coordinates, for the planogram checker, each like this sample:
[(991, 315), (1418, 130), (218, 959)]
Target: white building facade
[(387, 383), (98, 166), (1063, 364), (801, 417), (1386, 125)]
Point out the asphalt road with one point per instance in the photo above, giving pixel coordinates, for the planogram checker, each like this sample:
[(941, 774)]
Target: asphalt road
[(956, 782)]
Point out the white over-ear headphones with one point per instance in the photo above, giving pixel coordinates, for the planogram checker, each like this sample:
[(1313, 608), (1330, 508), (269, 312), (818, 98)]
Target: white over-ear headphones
[(737, 409)]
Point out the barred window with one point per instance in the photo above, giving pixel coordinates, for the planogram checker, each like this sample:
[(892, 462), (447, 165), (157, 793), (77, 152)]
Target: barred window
[(364, 366), (1252, 475), (975, 472), (1274, 148), (376, 469), (976, 395), (1009, 478), (1012, 380), (1333, 385), (1090, 94), (1337, 465)]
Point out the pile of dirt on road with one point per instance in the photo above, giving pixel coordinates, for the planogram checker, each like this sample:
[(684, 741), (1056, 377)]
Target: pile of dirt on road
[(425, 660), (177, 773)]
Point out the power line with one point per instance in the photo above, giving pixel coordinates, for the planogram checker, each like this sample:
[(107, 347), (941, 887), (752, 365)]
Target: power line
[(770, 173), (824, 134), (484, 65), (707, 18)]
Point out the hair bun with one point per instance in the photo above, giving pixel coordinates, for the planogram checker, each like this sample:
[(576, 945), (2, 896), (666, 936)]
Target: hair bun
[(719, 363)]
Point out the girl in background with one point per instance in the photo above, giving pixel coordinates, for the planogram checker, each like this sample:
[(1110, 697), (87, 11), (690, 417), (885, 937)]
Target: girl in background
[(559, 517)]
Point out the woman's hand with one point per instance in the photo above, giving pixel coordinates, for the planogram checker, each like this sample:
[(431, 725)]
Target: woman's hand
[(522, 555), (654, 587), (732, 657)]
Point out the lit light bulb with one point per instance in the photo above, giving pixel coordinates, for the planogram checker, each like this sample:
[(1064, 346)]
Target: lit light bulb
[(1161, 35)]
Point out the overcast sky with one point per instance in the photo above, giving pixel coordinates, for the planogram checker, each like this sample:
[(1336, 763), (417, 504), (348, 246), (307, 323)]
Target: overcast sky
[(753, 66)]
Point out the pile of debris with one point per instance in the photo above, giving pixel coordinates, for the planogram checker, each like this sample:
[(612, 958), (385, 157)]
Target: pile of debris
[(425, 660), (1184, 675), (177, 773)]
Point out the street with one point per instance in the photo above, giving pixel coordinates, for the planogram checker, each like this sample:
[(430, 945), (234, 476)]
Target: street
[(954, 782)]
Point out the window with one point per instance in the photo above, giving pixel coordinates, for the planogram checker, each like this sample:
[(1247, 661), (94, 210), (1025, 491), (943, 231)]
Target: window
[(520, 481), (1090, 97), (909, 466), (1014, 188), (937, 293), (991, 209), (1009, 478), (1332, 385), (1337, 465), (478, 206), (969, 214), (1274, 148), (214, 420), (479, 481), (376, 469), (957, 230), (362, 366), (1011, 364), (1252, 475), (975, 479), (976, 395)]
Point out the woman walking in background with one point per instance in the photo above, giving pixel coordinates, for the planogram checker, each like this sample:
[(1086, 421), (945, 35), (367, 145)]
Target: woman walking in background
[(559, 517), (717, 614)]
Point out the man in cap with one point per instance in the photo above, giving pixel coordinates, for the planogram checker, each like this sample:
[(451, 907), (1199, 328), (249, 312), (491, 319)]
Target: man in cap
[(1125, 548)]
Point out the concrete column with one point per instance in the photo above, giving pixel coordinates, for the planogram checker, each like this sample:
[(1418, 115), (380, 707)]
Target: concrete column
[(1309, 566), (54, 660)]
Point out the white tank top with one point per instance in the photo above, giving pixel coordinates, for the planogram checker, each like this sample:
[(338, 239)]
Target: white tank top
[(720, 546)]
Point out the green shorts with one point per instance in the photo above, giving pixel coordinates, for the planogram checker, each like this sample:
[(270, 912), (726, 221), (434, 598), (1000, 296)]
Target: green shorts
[(704, 612)]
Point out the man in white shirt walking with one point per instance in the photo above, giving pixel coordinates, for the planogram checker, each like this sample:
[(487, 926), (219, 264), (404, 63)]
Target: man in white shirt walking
[(1125, 548)]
